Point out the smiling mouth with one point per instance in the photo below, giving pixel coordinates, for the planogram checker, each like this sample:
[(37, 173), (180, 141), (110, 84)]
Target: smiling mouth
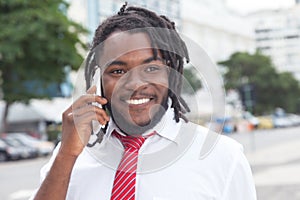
[(138, 101)]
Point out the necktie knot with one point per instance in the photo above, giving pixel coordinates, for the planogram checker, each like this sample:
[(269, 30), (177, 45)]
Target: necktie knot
[(130, 142)]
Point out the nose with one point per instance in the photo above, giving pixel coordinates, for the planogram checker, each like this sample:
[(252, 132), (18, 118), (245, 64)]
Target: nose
[(133, 79)]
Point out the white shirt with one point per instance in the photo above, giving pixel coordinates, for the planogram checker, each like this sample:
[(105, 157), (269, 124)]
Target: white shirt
[(182, 161)]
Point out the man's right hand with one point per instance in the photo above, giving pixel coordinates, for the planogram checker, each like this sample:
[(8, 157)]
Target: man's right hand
[(77, 122)]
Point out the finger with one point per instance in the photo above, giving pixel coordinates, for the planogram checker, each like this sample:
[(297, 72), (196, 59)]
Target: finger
[(92, 90), (101, 100), (87, 118), (67, 114), (91, 108), (87, 99)]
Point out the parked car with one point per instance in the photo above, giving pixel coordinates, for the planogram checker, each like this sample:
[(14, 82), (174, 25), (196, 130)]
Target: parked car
[(44, 147), (8, 152), (226, 125), (295, 119), (282, 121), (25, 150), (265, 122), (254, 121)]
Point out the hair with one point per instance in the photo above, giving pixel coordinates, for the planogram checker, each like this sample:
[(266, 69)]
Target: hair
[(167, 41)]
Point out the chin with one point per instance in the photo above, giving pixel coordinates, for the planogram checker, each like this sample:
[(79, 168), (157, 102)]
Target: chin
[(136, 127)]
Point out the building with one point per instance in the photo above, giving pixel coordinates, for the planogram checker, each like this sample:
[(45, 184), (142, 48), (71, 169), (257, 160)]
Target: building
[(217, 29), (208, 23), (277, 34), (220, 33), (91, 13)]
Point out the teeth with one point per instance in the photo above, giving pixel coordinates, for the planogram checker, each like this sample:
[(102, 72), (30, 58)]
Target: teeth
[(137, 101)]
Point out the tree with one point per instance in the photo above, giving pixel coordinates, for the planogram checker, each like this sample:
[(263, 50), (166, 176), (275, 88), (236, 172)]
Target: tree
[(37, 42), (289, 92), (269, 89), (192, 80)]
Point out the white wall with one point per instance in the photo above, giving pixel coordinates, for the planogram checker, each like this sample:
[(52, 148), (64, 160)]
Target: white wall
[(218, 31)]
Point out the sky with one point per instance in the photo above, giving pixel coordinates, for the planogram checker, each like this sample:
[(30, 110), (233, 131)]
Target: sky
[(246, 6)]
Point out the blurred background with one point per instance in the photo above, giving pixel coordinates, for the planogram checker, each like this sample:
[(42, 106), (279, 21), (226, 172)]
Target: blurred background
[(254, 44)]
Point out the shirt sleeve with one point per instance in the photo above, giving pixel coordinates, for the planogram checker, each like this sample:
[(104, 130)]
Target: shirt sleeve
[(240, 184), (45, 169)]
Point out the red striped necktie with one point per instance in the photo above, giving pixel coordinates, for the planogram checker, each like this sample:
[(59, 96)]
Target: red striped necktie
[(124, 183)]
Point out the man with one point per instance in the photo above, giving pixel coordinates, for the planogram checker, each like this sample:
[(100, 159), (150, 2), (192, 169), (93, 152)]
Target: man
[(147, 149)]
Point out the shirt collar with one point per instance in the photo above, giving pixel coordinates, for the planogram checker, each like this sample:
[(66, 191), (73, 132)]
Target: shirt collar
[(167, 127)]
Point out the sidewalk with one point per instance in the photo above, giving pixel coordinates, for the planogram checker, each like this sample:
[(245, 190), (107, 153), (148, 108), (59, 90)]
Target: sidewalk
[(276, 171)]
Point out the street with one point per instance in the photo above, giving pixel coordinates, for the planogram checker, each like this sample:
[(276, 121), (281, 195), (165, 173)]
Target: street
[(273, 154), (275, 161), (18, 179)]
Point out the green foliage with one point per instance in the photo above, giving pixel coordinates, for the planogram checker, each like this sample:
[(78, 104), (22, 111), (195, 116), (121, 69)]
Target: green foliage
[(37, 42), (193, 81), (272, 89)]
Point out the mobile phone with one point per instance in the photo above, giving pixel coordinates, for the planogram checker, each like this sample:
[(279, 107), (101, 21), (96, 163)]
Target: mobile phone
[(97, 82)]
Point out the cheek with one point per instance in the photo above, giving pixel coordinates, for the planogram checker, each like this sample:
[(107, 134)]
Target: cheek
[(164, 92), (165, 85), (160, 79), (108, 87)]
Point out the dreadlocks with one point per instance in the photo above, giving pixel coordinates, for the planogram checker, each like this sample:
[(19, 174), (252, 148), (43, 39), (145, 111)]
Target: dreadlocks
[(163, 38)]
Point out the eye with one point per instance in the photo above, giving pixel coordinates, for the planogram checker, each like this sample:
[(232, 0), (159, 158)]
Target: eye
[(117, 71), (151, 68)]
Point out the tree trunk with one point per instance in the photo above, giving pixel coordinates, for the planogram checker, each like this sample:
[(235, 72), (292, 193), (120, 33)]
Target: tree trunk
[(4, 124)]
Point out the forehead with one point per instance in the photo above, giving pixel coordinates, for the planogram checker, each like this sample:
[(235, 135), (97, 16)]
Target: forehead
[(123, 43)]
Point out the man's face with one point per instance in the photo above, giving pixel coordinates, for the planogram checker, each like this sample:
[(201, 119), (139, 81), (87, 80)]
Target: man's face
[(134, 83)]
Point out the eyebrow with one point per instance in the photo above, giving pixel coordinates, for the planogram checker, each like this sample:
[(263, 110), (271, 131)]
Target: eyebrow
[(118, 62), (148, 60), (115, 62)]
